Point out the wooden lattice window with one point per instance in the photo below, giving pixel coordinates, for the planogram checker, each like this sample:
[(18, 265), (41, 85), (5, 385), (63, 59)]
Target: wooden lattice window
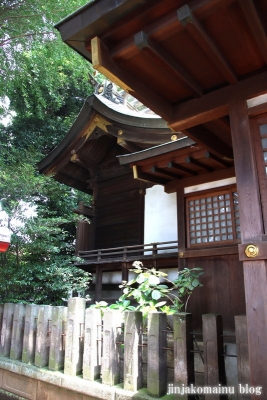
[(263, 133), (213, 218)]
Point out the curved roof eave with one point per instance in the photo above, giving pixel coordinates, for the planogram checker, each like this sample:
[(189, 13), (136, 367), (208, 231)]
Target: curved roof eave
[(94, 104)]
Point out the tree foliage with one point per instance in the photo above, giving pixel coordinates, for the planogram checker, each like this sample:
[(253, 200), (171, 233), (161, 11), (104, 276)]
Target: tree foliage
[(38, 265), (45, 84)]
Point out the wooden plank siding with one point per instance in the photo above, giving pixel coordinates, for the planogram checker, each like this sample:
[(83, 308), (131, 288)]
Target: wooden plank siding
[(119, 222), (223, 290)]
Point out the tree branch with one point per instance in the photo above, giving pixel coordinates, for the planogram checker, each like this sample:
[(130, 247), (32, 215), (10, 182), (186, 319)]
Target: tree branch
[(6, 41), (20, 16)]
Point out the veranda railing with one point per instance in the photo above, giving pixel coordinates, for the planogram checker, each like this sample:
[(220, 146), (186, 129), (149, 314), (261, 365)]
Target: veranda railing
[(130, 253)]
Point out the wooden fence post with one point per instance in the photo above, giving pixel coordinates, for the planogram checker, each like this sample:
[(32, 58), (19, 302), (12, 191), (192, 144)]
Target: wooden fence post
[(182, 346), (57, 348), (214, 370), (74, 336), (132, 350), (111, 364), (92, 344), (29, 339), (156, 354), (242, 354), (17, 332)]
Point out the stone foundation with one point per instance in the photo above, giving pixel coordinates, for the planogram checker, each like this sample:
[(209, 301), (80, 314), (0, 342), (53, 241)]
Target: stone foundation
[(34, 383)]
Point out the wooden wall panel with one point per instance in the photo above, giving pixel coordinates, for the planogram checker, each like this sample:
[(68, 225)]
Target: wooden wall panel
[(118, 213), (223, 290), (120, 221), (118, 235), (118, 185)]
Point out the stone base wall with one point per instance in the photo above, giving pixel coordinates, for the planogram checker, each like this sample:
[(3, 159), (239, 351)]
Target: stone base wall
[(34, 383)]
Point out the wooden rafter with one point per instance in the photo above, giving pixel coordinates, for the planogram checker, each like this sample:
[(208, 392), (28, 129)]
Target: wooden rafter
[(194, 161), (219, 160), (162, 171), (216, 104), (166, 27), (179, 167), (131, 147), (143, 176), (168, 63), (192, 25), (83, 162), (102, 61), (255, 25)]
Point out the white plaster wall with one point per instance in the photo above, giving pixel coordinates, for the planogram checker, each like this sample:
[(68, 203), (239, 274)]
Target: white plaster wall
[(115, 277), (160, 215)]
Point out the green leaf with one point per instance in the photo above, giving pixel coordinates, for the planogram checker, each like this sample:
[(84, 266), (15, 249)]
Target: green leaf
[(195, 283), (156, 294)]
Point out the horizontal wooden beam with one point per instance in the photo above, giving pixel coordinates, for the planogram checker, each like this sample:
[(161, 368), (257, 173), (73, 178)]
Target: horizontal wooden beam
[(209, 140), (211, 252), (216, 104), (172, 187), (102, 61), (142, 176), (191, 24), (257, 110), (141, 135), (221, 129), (167, 62), (255, 25)]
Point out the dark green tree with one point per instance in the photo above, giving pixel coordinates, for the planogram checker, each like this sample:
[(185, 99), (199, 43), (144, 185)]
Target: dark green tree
[(38, 266)]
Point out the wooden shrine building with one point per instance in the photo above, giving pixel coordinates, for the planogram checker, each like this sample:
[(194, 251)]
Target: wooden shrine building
[(201, 65)]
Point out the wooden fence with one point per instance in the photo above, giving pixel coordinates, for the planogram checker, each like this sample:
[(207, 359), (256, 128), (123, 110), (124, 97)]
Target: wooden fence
[(79, 341)]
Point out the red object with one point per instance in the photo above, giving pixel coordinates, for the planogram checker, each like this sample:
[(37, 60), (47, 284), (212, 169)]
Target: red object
[(3, 246), (4, 239)]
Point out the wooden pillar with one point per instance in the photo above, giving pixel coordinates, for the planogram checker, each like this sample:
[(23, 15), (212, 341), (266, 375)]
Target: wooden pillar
[(98, 283), (84, 230), (255, 271), (124, 272), (84, 236), (181, 228)]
